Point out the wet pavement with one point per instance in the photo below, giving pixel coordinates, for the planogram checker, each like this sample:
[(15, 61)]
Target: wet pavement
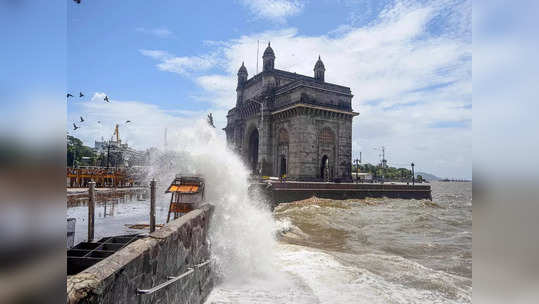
[(113, 211)]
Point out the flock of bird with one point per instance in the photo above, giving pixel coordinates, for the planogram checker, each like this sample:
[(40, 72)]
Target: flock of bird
[(75, 127)]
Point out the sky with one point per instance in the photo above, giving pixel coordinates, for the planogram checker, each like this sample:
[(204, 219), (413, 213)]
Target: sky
[(164, 64)]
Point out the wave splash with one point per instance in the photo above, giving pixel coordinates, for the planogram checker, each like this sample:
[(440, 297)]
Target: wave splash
[(241, 231)]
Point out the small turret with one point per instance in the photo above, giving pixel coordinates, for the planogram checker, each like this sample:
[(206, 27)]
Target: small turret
[(242, 75), (268, 58), (319, 70)]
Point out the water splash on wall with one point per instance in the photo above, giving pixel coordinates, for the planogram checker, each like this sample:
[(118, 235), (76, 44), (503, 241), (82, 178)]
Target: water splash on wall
[(241, 232)]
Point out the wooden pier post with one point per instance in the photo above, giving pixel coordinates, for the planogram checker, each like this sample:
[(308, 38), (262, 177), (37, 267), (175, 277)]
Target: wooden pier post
[(91, 211), (152, 206)]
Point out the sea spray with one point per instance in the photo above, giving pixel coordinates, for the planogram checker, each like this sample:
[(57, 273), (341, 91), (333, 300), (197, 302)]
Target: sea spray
[(241, 232)]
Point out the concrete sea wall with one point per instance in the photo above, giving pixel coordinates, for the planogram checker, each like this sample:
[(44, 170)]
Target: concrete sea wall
[(144, 264), (277, 192)]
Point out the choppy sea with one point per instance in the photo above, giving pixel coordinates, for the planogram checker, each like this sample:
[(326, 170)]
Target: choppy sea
[(366, 251)]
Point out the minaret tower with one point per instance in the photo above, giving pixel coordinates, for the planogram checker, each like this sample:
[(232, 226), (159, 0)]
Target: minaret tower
[(242, 75), (268, 59), (242, 79), (319, 70)]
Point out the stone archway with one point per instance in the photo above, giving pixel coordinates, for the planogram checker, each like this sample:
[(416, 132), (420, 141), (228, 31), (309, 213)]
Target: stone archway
[(253, 150), (326, 152)]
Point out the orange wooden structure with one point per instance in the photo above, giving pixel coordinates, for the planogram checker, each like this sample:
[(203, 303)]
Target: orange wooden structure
[(104, 177), (187, 193)]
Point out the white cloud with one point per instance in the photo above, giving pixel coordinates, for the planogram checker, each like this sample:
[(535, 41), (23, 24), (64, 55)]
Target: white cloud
[(155, 54), (404, 80), (221, 89), (160, 32), (181, 65), (275, 10)]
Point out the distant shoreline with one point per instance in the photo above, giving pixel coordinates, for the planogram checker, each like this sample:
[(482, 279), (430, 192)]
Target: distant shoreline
[(446, 180)]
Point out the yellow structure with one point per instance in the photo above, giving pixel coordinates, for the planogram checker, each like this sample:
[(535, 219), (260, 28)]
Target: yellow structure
[(104, 177), (187, 194)]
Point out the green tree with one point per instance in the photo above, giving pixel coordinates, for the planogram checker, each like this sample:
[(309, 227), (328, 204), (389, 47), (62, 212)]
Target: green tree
[(76, 151), (390, 173)]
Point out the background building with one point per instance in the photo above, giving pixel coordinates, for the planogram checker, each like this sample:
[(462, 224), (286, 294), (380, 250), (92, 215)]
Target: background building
[(117, 153)]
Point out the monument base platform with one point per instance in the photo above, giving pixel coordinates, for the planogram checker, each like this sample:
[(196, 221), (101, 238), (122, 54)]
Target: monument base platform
[(282, 192)]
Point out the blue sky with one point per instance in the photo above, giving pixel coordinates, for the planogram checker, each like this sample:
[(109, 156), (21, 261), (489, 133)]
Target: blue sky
[(104, 39), (166, 63), (32, 35)]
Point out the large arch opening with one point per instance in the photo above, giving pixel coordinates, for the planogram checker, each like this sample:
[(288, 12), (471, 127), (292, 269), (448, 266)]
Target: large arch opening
[(326, 149), (324, 167), (253, 150)]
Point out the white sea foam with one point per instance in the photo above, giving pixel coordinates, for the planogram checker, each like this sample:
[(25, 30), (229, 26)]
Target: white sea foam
[(242, 229), (313, 276)]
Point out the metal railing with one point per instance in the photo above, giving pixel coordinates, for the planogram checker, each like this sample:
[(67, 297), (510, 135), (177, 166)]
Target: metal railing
[(172, 279)]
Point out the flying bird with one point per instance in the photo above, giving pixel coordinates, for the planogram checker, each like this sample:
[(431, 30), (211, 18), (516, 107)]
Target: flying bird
[(69, 95), (99, 121), (78, 1), (106, 98), (81, 119), (210, 120), (127, 121), (80, 94), (75, 127)]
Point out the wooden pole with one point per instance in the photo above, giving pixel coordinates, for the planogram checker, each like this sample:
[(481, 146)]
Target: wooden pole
[(91, 211), (170, 206), (152, 206)]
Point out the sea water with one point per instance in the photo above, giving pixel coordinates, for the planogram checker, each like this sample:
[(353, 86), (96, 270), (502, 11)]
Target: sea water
[(368, 251)]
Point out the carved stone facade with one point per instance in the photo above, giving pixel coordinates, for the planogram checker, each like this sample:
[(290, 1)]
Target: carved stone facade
[(286, 123)]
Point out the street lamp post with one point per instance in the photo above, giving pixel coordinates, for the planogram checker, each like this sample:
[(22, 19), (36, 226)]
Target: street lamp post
[(74, 158), (413, 175), (383, 161), (357, 161)]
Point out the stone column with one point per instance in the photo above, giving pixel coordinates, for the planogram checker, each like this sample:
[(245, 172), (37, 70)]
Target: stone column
[(345, 149), (265, 151)]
